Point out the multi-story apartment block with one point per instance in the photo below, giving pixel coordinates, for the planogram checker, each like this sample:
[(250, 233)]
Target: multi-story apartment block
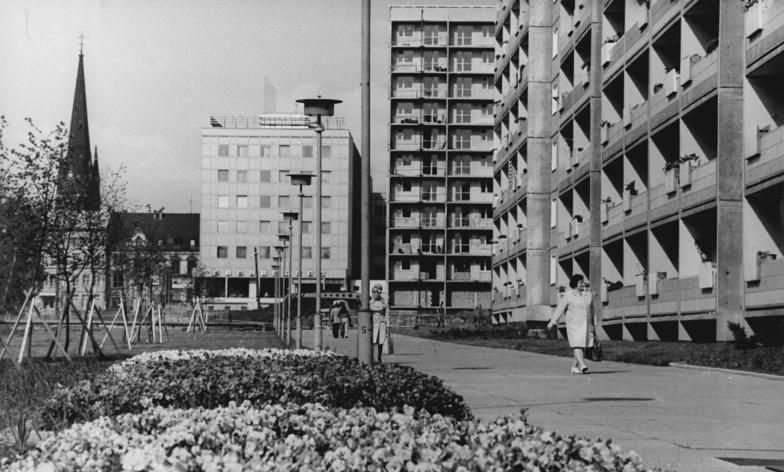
[(639, 146), (441, 139), (245, 189)]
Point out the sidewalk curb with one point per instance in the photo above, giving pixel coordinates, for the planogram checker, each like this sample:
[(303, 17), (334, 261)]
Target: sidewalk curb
[(681, 365)]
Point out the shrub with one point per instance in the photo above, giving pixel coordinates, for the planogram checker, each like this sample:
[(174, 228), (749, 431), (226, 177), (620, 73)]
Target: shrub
[(211, 379), (314, 437), (741, 340)]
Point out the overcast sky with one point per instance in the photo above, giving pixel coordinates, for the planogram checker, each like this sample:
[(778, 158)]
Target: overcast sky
[(157, 69)]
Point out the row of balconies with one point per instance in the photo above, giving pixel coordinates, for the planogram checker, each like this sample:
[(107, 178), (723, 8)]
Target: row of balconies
[(474, 275), (474, 118), (417, 91), (440, 145), (442, 40), (455, 248), (473, 67), (473, 222)]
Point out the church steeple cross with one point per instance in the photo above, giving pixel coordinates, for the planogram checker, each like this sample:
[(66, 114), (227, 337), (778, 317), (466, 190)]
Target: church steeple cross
[(81, 43)]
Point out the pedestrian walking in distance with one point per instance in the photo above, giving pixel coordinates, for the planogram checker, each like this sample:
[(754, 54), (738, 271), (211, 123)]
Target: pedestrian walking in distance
[(380, 319), (334, 318), (345, 319), (577, 304)]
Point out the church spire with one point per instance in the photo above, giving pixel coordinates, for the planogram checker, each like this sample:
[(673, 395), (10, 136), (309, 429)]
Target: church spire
[(77, 173)]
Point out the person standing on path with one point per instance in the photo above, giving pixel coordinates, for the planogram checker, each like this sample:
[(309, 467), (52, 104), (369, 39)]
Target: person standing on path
[(577, 303), (345, 319), (334, 318), (378, 307)]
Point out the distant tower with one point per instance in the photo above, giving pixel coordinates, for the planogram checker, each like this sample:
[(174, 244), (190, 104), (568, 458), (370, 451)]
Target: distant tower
[(270, 97), (79, 173)]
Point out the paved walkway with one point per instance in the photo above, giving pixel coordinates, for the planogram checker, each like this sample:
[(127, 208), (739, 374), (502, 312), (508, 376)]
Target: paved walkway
[(675, 418)]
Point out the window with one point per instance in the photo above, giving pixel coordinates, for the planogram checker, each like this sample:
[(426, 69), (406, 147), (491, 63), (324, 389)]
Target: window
[(242, 252), (484, 264), (117, 279), (284, 201), (223, 175), (242, 176), (242, 150), (223, 150), (307, 150), (487, 31), (242, 227), (326, 152), (265, 151), (307, 252), (487, 110), (463, 113), (463, 87), (223, 252), (264, 252), (325, 252), (306, 227), (486, 187), (406, 186), (283, 227), (242, 201), (486, 83), (283, 176), (265, 176), (406, 264), (463, 62), (487, 57), (86, 280), (264, 227), (223, 226), (223, 201), (406, 30), (326, 202), (264, 201), (463, 36), (307, 202), (284, 150), (326, 227), (462, 165)]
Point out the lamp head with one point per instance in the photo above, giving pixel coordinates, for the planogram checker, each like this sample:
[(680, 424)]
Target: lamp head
[(283, 237), (319, 106), (290, 215), (300, 178)]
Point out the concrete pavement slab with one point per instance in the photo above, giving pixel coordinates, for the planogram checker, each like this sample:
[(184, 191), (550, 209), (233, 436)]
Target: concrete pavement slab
[(675, 418)]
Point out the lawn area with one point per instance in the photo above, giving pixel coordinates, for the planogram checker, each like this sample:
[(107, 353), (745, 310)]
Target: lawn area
[(768, 359)]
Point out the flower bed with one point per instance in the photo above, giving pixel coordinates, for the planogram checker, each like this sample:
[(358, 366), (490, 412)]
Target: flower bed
[(314, 437), (212, 379)]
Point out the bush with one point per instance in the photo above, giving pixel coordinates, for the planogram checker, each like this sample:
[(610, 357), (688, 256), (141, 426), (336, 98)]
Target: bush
[(212, 379), (506, 331), (314, 437)]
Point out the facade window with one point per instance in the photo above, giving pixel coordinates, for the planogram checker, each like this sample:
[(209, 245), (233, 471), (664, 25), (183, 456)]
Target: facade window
[(223, 150), (86, 280), (326, 202), (486, 187), (223, 201), (283, 227), (265, 151), (307, 252), (223, 252), (242, 201), (242, 252), (306, 225), (264, 226), (223, 175), (487, 57), (487, 31), (463, 113), (325, 253), (265, 176), (264, 201), (326, 152), (407, 30), (326, 227), (463, 139), (284, 150), (406, 264), (487, 110), (242, 176), (242, 227), (307, 202), (307, 150), (406, 186), (242, 150), (463, 62), (463, 165), (264, 252), (463, 87), (284, 201), (117, 279), (223, 226), (484, 264), (463, 36)]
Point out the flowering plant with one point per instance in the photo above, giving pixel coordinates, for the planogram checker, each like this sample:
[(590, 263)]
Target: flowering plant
[(211, 379), (317, 438)]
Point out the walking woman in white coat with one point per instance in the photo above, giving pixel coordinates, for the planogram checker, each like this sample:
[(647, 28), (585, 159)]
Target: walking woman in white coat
[(577, 304), (378, 307)]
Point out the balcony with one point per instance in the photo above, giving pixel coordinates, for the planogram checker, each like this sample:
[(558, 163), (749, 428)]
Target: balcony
[(767, 161), (703, 182), (405, 275), (665, 301), (405, 223), (417, 67), (418, 41), (418, 171), (765, 29), (695, 300), (769, 293), (416, 144)]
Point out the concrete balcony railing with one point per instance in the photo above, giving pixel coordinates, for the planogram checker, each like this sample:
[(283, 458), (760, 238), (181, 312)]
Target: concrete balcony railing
[(415, 67), (405, 222), (770, 289), (480, 249), (766, 160), (405, 275), (419, 92), (418, 171)]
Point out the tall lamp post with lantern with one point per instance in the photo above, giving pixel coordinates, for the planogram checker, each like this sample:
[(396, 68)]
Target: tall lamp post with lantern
[(318, 107), (289, 216), (301, 179), (281, 260), (275, 267)]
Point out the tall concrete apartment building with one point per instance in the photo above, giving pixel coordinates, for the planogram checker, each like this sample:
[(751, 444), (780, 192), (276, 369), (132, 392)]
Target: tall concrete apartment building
[(441, 140), (245, 189), (639, 145)]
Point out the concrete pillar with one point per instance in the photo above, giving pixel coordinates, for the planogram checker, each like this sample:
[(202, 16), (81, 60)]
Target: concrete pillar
[(540, 77), (595, 177), (729, 168)]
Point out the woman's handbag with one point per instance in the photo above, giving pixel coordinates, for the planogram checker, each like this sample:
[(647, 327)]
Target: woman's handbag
[(389, 347), (596, 351)]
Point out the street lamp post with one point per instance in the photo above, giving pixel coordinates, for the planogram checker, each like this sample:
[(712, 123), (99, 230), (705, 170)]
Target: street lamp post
[(318, 107), (286, 294), (275, 266), (291, 216), (281, 251), (301, 179)]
